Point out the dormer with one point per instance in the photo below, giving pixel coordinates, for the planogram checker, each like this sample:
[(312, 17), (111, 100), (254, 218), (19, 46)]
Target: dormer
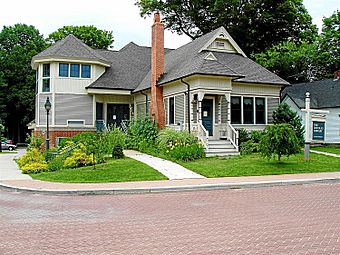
[(222, 42)]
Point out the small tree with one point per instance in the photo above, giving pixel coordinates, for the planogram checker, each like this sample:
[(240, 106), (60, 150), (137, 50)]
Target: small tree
[(280, 140), (284, 115)]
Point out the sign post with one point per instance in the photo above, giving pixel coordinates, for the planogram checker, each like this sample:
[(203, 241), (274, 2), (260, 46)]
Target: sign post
[(318, 126)]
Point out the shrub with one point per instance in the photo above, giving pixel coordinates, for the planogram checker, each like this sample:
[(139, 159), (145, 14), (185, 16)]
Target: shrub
[(79, 158), (31, 156), (143, 130), (55, 164), (252, 144), (35, 142), (179, 145), (113, 142), (249, 147), (243, 135), (186, 152), (34, 167), (169, 137), (284, 114), (280, 140)]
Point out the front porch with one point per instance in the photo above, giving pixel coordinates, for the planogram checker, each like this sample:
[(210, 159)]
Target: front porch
[(211, 122)]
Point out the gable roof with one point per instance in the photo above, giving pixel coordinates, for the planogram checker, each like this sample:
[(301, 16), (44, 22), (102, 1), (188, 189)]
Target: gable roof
[(323, 94), (190, 59), (71, 47)]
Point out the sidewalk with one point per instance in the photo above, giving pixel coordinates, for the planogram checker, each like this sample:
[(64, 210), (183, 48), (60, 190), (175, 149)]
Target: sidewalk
[(24, 183)]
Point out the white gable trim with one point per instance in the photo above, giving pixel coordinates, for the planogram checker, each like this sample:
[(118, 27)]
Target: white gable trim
[(226, 36), (210, 56)]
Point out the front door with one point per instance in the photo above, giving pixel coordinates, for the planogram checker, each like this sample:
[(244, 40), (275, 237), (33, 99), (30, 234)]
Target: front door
[(116, 113), (207, 115)]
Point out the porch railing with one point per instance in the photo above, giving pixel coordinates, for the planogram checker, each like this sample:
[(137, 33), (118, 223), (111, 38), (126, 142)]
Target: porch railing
[(100, 125), (203, 135), (232, 135), (125, 124)]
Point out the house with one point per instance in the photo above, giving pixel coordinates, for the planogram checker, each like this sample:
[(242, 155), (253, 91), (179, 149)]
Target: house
[(208, 86), (325, 100)]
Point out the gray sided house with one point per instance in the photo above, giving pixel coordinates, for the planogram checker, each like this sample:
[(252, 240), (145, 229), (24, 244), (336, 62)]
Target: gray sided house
[(324, 96), (208, 86)]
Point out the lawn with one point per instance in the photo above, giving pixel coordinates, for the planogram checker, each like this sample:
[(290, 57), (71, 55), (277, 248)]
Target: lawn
[(254, 164), (329, 148), (118, 170)]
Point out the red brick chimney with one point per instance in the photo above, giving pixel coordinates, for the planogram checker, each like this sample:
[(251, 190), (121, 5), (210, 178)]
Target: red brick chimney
[(157, 69)]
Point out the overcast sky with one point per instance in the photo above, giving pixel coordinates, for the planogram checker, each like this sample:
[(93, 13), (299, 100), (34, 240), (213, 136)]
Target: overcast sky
[(120, 16)]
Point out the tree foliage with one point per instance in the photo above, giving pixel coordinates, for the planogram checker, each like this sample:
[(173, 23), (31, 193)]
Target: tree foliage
[(305, 61), (255, 24), (285, 115), (92, 36), (18, 44), (280, 140)]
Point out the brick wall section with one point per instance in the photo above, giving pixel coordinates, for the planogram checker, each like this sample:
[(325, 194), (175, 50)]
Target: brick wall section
[(53, 134), (157, 69)]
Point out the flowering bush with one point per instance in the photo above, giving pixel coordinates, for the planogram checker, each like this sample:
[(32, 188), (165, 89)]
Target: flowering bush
[(34, 167), (32, 156)]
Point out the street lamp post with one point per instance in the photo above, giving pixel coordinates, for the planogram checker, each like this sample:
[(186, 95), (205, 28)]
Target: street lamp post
[(47, 108)]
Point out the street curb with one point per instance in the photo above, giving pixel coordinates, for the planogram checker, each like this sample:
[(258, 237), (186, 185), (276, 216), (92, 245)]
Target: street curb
[(149, 190)]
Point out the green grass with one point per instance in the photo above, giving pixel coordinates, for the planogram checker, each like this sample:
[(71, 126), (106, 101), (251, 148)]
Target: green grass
[(329, 148), (254, 164), (118, 170)]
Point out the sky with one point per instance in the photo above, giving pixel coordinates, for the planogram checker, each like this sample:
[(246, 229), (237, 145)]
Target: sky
[(120, 16)]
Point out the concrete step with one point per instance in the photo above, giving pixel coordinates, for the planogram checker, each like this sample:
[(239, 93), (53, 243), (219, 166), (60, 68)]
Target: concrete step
[(219, 142), (222, 154), (221, 146), (210, 150)]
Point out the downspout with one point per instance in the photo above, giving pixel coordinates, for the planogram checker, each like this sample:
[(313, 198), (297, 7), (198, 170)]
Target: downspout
[(188, 103), (146, 102)]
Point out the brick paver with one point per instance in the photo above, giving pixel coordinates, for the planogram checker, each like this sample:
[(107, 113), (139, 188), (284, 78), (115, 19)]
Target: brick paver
[(302, 219)]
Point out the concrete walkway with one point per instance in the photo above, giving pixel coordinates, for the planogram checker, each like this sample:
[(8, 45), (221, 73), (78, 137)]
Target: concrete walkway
[(9, 169), (325, 153), (170, 169)]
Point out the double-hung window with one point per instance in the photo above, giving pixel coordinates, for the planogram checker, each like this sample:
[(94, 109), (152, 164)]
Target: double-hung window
[(75, 70), (236, 110), (46, 78), (260, 110), (248, 110), (171, 110)]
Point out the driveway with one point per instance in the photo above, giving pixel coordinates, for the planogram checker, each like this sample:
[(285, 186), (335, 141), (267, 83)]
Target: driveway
[(301, 219)]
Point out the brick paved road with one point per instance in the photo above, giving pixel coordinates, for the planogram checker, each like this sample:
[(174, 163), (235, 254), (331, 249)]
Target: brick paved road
[(277, 220)]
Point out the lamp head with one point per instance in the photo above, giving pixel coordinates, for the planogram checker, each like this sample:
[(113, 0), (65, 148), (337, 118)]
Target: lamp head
[(48, 104)]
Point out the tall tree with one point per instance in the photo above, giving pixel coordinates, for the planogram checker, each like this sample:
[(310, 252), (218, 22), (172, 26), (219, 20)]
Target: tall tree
[(305, 61), (18, 44), (92, 36), (330, 41), (255, 24)]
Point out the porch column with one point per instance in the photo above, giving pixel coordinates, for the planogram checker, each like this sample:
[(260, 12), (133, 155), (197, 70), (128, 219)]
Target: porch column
[(200, 97), (228, 98), (219, 99)]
